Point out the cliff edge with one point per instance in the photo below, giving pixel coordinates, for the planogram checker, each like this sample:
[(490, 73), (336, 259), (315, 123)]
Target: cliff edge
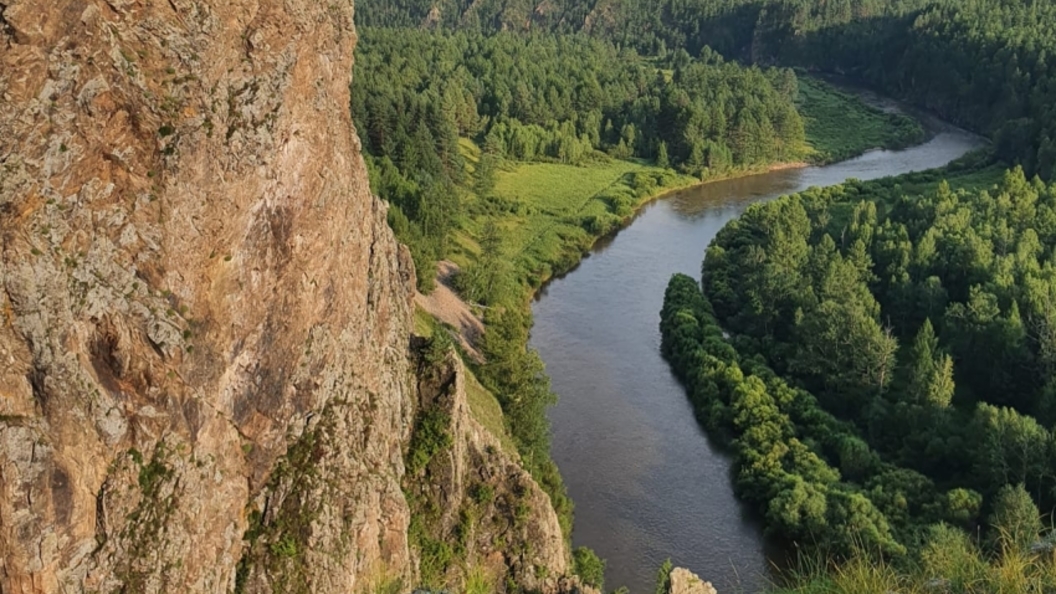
[(205, 376)]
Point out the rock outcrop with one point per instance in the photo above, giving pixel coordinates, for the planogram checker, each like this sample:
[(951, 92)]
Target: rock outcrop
[(467, 491), (684, 581), (205, 383)]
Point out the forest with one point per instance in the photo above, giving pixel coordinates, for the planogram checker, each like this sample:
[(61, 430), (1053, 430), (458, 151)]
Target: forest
[(881, 356), (983, 64), (559, 99), (881, 361)]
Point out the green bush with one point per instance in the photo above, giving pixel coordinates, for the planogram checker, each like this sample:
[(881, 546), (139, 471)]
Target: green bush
[(589, 567), (431, 436)]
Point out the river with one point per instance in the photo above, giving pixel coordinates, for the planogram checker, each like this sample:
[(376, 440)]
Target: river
[(647, 483)]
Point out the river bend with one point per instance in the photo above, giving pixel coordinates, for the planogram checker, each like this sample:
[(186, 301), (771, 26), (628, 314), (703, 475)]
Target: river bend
[(647, 483)]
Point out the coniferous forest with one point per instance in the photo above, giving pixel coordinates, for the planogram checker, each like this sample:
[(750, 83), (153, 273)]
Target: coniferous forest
[(560, 99), (982, 64), (881, 362), (881, 356)]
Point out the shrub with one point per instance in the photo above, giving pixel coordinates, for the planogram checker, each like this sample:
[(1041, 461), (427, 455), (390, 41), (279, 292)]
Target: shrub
[(589, 567)]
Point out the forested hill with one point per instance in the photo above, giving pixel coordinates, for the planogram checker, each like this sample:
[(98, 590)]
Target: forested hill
[(649, 25), (561, 99), (983, 64)]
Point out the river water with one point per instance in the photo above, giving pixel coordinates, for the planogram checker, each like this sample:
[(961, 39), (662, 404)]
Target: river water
[(647, 483)]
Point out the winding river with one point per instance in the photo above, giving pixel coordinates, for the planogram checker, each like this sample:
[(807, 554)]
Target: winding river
[(647, 483)]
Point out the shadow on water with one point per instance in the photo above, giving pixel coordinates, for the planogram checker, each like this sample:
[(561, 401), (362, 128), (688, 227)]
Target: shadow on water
[(647, 482)]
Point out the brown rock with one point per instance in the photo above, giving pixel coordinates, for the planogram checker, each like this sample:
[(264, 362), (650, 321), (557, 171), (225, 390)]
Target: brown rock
[(684, 581), (204, 318), (476, 493), (194, 277)]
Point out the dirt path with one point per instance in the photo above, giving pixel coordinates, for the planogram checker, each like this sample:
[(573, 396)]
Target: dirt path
[(445, 305)]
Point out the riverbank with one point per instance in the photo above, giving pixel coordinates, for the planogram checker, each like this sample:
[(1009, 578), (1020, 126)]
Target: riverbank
[(550, 215), (647, 481), (444, 303), (829, 113), (539, 222), (539, 281)]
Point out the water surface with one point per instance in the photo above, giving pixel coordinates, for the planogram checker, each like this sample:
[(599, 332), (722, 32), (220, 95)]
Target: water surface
[(647, 483)]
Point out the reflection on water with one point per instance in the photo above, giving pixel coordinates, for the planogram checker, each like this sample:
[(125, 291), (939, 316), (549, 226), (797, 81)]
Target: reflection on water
[(647, 483)]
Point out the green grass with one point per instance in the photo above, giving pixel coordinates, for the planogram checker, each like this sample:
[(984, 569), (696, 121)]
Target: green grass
[(856, 576), (486, 410), (479, 582), (840, 125), (470, 153), (550, 213), (423, 323), (960, 569)]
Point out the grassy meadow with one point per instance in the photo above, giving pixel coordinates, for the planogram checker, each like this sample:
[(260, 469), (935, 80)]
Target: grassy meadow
[(550, 213)]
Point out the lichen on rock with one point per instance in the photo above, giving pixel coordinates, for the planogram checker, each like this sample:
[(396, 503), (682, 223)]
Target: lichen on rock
[(205, 379), (194, 271)]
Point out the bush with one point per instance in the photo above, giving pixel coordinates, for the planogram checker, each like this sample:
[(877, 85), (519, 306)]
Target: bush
[(589, 567), (622, 206), (598, 225), (431, 436)]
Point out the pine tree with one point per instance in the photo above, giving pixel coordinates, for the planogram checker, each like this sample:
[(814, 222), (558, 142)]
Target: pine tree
[(662, 160), (922, 367), (941, 386)]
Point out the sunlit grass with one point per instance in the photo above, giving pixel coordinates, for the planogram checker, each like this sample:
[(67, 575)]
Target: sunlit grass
[(423, 323), (479, 582), (487, 412), (470, 154), (545, 210), (951, 563)]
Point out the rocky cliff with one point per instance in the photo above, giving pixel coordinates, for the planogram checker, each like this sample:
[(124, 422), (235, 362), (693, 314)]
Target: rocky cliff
[(683, 581), (471, 500), (205, 376)]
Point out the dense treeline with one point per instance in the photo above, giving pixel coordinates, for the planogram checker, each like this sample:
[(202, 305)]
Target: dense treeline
[(984, 64), (814, 479), (981, 63), (551, 98), (561, 98), (911, 341), (651, 26), (929, 321)]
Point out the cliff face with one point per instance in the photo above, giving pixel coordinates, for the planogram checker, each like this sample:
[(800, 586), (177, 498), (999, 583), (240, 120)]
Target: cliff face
[(204, 319), (472, 498)]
